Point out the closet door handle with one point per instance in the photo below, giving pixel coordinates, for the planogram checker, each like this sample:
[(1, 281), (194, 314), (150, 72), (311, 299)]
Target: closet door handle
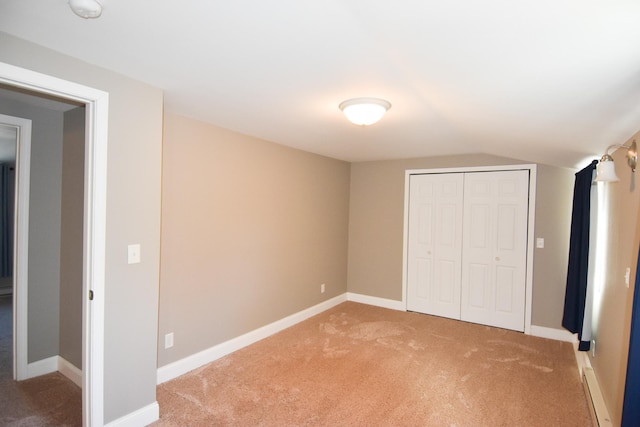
[(497, 258)]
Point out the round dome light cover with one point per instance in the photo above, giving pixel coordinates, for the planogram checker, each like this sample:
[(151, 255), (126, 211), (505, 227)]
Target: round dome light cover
[(364, 111)]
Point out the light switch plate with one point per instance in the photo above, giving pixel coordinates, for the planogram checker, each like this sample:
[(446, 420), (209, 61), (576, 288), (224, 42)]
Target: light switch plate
[(133, 254), (168, 340), (627, 274), (540, 242)]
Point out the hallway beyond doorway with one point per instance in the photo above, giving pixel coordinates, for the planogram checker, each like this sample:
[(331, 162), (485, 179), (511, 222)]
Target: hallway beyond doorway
[(43, 401)]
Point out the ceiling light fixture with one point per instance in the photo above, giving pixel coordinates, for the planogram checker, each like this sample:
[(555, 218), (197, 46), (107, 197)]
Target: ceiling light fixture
[(86, 8), (364, 111), (606, 171)]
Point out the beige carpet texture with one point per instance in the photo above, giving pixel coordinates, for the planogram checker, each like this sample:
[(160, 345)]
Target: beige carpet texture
[(47, 401), (359, 365)]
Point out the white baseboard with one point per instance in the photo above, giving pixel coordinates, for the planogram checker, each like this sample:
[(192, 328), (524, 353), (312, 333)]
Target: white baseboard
[(189, 363), (182, 366), (537, 331), (70, 371), (595, 401), (141, 417), (378, 302), (55, 364), (42, 367), (553, 334), (582, 359)]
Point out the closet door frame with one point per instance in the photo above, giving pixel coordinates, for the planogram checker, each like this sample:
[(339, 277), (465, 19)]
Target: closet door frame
[(531, 168)]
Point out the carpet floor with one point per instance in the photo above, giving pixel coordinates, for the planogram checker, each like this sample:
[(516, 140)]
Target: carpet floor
[(48, 401), (358, 365)]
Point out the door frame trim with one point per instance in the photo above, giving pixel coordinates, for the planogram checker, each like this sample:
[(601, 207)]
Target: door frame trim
[(532, 168), (20, 243), (94, 251)]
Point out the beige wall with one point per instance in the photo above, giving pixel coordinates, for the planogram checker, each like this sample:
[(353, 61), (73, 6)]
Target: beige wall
[(133, 216), (71, 237), (554, 201), (250, 230), (612, 328), (377, 221)]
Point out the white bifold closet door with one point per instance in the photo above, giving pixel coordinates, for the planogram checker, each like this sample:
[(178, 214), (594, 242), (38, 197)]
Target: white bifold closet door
[(467, 242), (494, 250), (435, 244)]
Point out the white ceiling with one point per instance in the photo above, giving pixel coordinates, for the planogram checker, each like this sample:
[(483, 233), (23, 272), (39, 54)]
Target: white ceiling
[(551, 81)]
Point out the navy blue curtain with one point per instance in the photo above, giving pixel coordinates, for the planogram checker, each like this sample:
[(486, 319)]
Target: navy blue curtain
[(631, 409), (576, 290), (6, 264)]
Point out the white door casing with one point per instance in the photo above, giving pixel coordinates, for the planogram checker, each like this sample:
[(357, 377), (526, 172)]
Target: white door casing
[(96, 124), (20, 243), (435, 244), (495, 248)]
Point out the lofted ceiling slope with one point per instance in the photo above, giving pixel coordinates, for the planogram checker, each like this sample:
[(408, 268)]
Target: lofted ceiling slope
[(554, 82)]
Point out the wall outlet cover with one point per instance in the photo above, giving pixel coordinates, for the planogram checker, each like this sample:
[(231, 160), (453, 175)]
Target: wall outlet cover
[(168, 340)]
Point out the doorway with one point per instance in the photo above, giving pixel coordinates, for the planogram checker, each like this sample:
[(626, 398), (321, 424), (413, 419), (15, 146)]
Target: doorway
[(94, 224), (48, 328)]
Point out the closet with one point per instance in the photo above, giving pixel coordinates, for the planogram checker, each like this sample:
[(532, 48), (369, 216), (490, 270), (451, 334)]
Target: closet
[(467, 239)]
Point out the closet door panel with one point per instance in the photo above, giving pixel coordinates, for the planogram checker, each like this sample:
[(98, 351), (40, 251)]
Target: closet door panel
[(478, 292), (435, 244), (494, 248)]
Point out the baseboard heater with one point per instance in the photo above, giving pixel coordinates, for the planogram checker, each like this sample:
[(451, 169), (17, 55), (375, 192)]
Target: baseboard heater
[(595, 401)]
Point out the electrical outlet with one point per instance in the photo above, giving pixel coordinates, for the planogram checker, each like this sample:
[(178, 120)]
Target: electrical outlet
[(168, 340), (322, 288), (593, 348)]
